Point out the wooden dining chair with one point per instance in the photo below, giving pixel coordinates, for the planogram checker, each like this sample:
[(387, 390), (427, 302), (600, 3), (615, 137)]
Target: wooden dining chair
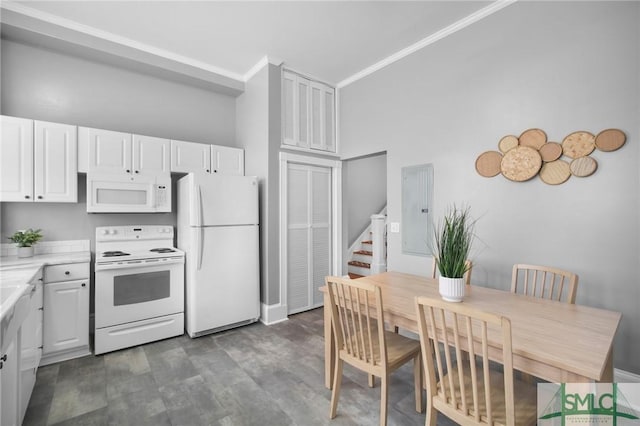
[(544, 282), (357, 319), (467, 275), (467, 390)]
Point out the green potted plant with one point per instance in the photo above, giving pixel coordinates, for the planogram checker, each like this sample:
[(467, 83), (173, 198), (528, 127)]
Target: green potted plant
[(25, 239), (453, 239)]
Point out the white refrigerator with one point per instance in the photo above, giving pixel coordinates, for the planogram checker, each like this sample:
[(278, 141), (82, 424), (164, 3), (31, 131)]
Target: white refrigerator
[(218, 230)]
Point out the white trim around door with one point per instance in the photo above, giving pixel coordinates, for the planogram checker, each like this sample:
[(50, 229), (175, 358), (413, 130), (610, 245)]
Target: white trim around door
[(336, 216)]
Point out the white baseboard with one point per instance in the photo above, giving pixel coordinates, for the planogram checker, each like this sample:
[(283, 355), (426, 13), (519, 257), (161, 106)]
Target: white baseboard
[(621, 376), (273, 314)]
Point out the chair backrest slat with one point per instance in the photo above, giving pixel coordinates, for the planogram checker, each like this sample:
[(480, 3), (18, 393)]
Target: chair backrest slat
[(544, 282), (357, 318), (448, 329)]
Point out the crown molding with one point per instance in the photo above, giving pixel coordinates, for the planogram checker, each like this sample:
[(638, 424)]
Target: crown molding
[(453, 28), (259, 65), (68, 24)]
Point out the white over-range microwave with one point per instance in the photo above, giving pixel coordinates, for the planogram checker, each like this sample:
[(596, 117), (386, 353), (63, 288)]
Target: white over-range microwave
[(110, 193)]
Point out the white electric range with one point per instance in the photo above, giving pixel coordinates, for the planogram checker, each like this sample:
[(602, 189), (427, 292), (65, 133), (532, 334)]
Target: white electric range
[(139, 286)]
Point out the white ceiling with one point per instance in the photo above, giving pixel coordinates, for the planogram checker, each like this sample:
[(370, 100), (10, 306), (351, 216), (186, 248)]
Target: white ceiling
[(330, 40)]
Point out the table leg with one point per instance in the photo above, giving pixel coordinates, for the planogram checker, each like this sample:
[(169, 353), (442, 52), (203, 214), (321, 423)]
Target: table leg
[(329, 352)]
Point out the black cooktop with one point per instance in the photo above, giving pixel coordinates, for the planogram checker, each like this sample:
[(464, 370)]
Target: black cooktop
[(163, 250), (114, 253)]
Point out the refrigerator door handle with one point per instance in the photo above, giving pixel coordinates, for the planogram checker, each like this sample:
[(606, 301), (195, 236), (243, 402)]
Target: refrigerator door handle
[(200, 247), (198, 206)]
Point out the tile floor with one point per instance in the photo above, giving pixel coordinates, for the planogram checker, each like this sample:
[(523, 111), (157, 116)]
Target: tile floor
[(253, 375)]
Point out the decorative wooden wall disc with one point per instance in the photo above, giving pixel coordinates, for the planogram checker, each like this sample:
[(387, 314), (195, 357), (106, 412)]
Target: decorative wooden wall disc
[(555, 172), (533, 138), (550, 151), (610, 140), (521, 163), (583, 166), (578, 144), (488, 163), (508, 143)]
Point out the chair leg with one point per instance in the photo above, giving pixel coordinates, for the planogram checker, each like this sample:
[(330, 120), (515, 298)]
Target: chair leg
[(417, 381), (335, 393), (396, 329), (372, 380), (384, 395), (432, 415)]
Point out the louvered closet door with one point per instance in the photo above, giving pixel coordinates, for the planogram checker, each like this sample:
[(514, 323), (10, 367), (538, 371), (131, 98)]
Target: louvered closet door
[(308, 235)]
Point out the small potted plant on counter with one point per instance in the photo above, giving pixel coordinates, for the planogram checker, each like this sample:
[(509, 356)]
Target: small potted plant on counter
[(453, 240), (25, 240)]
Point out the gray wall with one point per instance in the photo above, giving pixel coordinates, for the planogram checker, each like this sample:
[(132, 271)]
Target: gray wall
[(364, 192), (47, 85), (258, 132), (558, 66)]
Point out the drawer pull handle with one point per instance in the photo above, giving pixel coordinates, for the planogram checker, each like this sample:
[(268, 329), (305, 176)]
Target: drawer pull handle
[(84, 284), (67, 272), (4, 358)]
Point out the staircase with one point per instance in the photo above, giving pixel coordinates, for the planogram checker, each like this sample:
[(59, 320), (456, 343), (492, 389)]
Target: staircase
[(369, 252), (360, 263)]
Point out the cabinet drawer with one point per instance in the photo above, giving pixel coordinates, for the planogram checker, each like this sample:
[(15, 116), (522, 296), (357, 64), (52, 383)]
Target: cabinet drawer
[(66, 272)]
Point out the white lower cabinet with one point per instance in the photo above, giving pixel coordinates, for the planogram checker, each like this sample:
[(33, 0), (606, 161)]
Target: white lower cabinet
[(9, 375), (66, 312), (31, 344)]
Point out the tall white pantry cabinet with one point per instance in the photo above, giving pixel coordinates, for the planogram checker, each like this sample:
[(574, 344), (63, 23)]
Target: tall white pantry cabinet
[(38, 161)]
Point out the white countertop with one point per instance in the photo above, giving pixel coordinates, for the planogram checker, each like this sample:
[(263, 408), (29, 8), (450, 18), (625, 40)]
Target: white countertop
[(16, 273)]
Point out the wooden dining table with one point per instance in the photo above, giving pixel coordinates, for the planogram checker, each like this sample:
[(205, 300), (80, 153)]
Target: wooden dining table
[(555, 341)]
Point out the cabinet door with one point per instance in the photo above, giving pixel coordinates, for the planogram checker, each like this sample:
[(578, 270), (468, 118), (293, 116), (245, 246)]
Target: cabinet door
[(66, 315), (55, 162), (289, 102), (322, 117), (190, 157), (9, 375), (16, 159), (227, 160), (302, 130), (151, 156), (329, 109), (108, 151)]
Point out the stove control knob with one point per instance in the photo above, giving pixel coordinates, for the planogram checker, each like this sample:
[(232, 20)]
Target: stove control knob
[(105, 231)]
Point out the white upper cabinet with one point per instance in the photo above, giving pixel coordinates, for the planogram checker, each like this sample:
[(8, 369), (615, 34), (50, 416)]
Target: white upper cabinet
[(55, 162), (38, 161), (16, 159), (151, 156), (308, 113), (107, 151), (322, 117), (190, 157), (227, 160)]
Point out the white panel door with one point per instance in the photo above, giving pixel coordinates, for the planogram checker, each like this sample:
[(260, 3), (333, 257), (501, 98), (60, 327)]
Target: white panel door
[(329, 118), (66, 316), (16, 159), (190, 157), (55, 162), (108, 151), (317, 116), (308, 235), (227, 160), (151, 156)]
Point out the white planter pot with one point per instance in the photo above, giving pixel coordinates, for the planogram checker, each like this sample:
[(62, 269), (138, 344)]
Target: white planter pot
[(25, 251), (451, 289)]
